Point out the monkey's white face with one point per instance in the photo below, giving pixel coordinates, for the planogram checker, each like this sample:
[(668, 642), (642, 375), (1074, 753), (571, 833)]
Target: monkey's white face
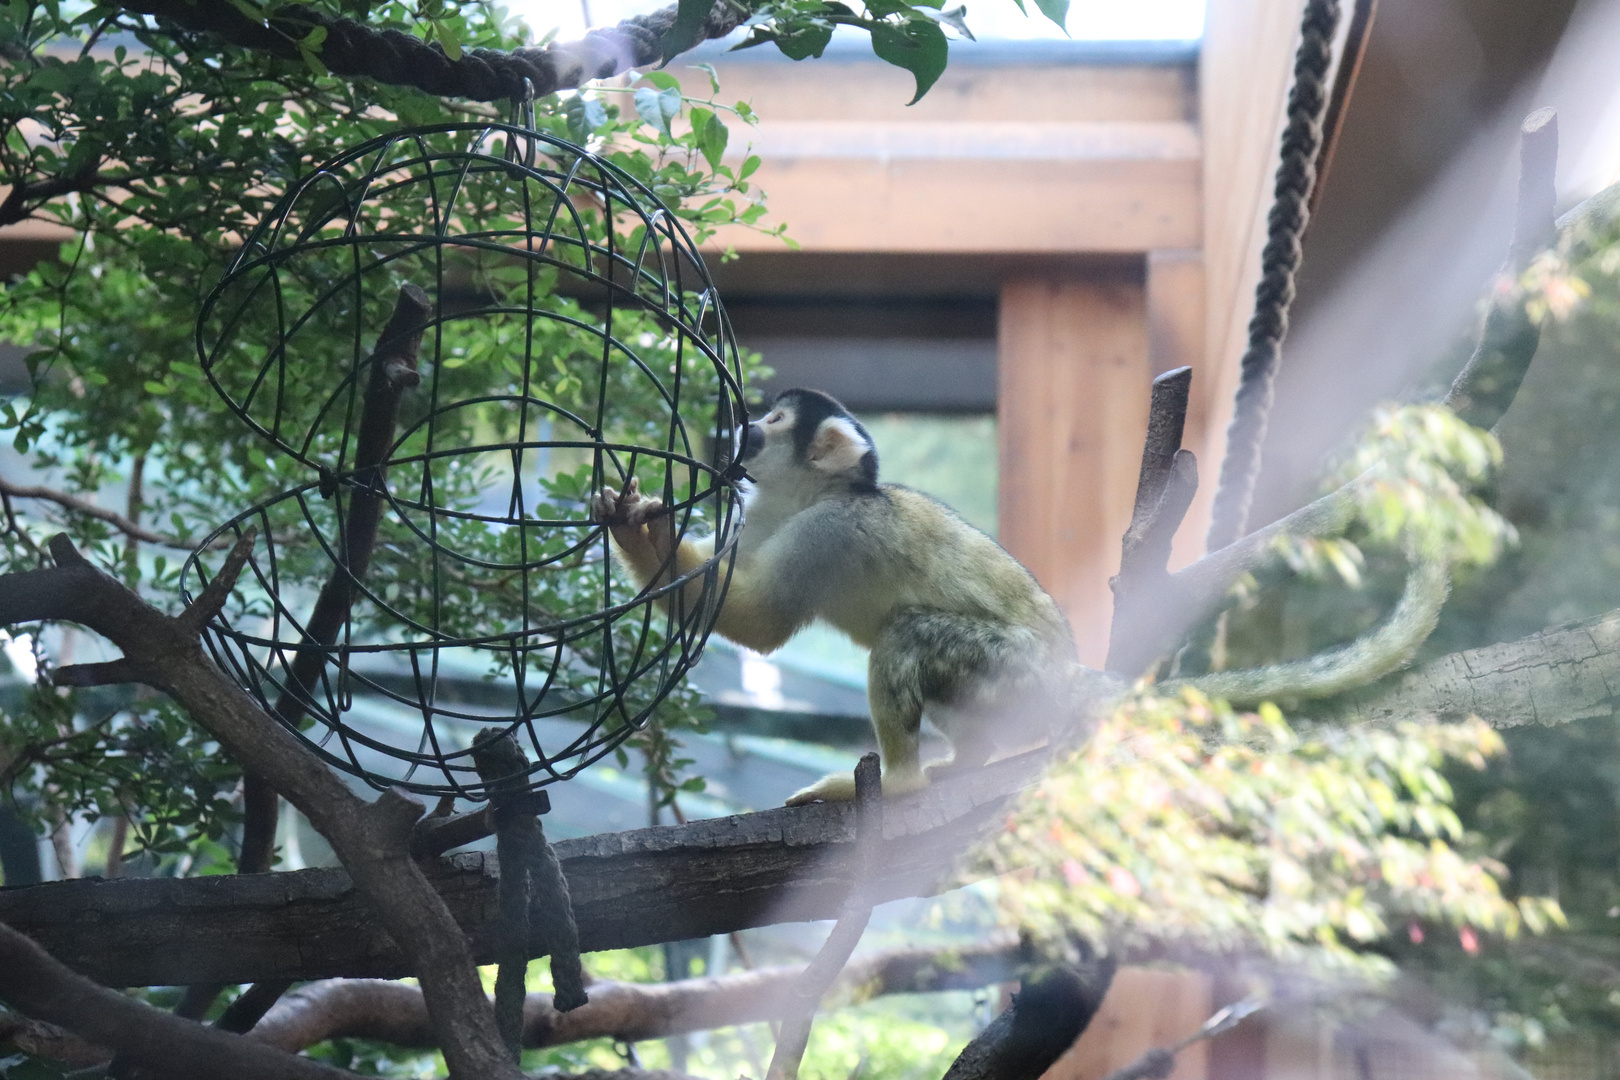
[(769, 446)]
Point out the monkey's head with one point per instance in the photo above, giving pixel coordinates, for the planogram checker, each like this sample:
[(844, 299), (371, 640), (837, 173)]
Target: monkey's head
[(808, 431)]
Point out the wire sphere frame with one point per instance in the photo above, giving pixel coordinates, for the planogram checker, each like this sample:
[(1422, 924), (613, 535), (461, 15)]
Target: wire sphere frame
[(572, 678)]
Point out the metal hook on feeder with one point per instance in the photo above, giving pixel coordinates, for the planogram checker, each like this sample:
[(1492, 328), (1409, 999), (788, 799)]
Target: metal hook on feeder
[(521, 117)]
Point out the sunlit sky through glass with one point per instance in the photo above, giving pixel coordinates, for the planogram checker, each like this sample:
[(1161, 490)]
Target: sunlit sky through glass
[(1089, 20)]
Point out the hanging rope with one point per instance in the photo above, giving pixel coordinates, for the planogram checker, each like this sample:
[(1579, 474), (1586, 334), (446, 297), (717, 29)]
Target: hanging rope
[(1274, 295), (532, 889), (394, 57)]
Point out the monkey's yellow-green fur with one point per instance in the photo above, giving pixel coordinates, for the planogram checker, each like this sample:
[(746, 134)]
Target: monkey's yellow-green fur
[(956, 627)]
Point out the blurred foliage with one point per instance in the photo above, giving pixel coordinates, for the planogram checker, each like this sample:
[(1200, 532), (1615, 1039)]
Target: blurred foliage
[(1183, 823), (1547, 808)]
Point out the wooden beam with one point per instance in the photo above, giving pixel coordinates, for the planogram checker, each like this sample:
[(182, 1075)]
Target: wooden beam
[(874, 203), (1073, 393), (640, 887)]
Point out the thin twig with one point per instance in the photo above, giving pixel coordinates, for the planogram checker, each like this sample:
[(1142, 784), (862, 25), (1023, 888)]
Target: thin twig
[(1159, 1062), (813, 984), (80, 505)]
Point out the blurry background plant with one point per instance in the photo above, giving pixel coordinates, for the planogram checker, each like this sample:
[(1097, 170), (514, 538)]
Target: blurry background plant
[(1544, 809)]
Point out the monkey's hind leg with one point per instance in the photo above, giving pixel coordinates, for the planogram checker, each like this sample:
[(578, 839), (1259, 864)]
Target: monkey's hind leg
[(973, 677), (891, 691)]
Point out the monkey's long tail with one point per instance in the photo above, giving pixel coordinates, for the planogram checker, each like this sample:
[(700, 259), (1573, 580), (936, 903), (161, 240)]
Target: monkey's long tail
[(1390, 647)]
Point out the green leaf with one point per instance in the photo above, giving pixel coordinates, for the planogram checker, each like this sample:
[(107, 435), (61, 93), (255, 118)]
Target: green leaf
[(586, 116), (658, 107), (758, 36), (803, 42), (313, 61), (689, 18), (446, 37), (663, 80), (714, 76), (749, 166), (882, 8), (711, 135), (918, 45), (155, 388), (1056, 10)]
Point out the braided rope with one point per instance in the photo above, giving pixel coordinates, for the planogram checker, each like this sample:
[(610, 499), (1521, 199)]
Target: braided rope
[(353, 49), (1274, 295)]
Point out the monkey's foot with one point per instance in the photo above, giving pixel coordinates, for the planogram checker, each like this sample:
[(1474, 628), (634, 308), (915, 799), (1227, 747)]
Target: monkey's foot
[(840, 787), (835, 787)]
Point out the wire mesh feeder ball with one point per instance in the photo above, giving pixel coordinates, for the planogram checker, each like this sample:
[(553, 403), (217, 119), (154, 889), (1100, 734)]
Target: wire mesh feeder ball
[(448, 339)]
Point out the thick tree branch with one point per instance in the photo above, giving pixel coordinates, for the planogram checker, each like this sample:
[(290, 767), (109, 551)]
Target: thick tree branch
[(1044, 1021), (631, 888), (1561, 674), (44, 1040), (372, 839), (393, 1012), (40, 987), (1200, 589)]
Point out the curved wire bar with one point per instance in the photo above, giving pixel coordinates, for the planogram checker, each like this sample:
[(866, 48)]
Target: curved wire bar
[(575, 341)]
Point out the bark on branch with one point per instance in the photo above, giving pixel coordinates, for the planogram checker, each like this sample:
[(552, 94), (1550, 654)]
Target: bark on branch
[(40, 987), (1164, 491), (631, 888), (1045, 1019), (393, 1012), (1561, 674), (372, 839)]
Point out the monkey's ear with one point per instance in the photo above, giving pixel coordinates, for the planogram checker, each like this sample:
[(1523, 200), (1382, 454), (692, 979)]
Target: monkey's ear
[(837, 447)]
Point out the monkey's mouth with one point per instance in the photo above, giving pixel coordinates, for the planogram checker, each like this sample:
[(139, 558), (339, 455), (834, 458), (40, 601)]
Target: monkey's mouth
[(753, 441)]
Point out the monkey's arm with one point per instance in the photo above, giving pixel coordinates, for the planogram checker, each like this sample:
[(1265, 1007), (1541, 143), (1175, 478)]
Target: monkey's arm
[(752, 614)]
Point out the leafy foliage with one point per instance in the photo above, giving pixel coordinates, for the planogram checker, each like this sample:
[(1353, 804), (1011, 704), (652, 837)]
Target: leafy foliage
[(161, 149), (906, 33), (1183, 822)]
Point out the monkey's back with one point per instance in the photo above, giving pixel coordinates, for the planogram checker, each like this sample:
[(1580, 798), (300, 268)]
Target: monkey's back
[(909, 551)]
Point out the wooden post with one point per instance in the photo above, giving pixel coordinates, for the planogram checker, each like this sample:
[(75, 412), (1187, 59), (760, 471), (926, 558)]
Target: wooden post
[(1073, 395), (1144, 1009)]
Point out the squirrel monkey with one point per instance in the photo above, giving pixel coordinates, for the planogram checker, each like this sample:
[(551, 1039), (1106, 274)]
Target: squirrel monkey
[(956, 627)]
